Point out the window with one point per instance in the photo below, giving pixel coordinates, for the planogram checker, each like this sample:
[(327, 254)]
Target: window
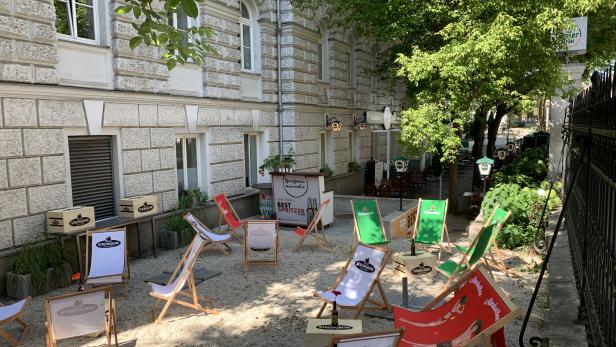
[(351, 147), (320, 61), (186, 156), (246, 38), (91, 162), (323, 149), (349, 69), (250, 159), (323, 58), (181, 21), (77, 19)]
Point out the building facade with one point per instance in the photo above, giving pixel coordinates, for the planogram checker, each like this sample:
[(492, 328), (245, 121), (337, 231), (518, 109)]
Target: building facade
[(86, 120)]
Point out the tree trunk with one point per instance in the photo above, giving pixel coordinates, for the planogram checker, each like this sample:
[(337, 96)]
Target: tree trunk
[(453, 187), (501, 111), (481, 119)]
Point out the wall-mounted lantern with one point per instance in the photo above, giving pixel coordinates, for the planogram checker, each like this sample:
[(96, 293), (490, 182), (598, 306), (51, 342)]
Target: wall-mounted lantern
[(510, 147), (502, 153), (360, 122), (334, 123)]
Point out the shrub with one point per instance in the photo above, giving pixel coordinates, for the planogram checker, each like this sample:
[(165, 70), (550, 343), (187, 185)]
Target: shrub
[(327, 171), (354, 166), (527, 170)]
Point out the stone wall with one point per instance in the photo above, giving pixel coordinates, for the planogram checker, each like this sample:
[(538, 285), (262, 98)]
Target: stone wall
[(27, 41)]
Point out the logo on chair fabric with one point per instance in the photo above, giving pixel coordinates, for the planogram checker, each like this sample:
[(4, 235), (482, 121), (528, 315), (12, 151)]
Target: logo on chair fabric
[(338, 327), (77, 309), (145, 207), (421, 269), (365, 266), (79, 221), (108, 243)]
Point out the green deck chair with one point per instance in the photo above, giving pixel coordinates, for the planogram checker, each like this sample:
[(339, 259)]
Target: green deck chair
[(499, 218), (431, 224), (475, 253), (368, 227)]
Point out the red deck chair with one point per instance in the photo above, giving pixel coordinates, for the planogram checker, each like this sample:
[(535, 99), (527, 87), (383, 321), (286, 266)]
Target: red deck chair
[(228, 215), (477, 313)]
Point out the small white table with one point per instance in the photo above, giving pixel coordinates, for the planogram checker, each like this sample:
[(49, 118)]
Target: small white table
[(319, 330)]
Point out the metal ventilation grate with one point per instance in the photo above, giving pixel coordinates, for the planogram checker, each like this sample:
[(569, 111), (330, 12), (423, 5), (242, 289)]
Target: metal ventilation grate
[(92, 173)]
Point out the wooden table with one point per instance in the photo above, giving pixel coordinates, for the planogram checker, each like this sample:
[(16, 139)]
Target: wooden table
[(319, 330)]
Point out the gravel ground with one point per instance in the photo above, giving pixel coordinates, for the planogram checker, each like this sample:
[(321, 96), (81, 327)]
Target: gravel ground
[(267, 307)]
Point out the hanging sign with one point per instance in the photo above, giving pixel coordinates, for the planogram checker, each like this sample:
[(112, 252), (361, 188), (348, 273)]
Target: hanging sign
[(576, 38), (387, 118)]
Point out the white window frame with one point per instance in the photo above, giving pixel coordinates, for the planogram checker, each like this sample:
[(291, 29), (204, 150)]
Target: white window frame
[(324, 56), (185, 157), (73, 24), (247, 156), (190, 22), (249, 23)]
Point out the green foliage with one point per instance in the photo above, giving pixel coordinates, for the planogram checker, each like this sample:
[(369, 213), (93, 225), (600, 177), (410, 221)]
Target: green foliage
[(275, 162), (154, 29), (354, 166), (526, 206), (527, 169), (326, 171), (35, 259)]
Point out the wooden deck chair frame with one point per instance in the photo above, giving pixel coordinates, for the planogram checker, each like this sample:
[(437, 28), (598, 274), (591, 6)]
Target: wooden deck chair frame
[(376, 305), (222, 217), (126, 273), (274, 261), (191, 290), (313, 230), (465, 258), (17, 319), (335, 339), (444, 230), (356, 234), (222, 246), (485, 336), (110, 311)]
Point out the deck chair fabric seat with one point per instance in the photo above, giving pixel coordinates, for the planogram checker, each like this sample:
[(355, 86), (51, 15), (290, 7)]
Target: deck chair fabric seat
[(312, 230), (12, 313), (387, 338), (228, 214), (212, 239), (108, 262), (261, 237), (368, 224), (80, 314), (431, 224), (499, 218), (357, 281), (476, 313)]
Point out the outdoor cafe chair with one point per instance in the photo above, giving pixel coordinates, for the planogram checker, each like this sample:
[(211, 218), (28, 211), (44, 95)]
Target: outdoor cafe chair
[(431, 224), (13, 313), (212, 240), (313, 230), (261, 237), (107, 257)]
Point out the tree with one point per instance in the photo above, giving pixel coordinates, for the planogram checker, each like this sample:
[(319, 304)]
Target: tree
[(153, 28)]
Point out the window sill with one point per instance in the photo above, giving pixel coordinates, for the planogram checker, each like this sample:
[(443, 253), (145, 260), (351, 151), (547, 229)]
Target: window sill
[(250, 72), (66, 38), (323, 82), (81, 45)]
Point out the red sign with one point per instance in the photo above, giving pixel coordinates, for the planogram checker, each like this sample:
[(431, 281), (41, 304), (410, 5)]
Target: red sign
[(227, 212), (475, 307)]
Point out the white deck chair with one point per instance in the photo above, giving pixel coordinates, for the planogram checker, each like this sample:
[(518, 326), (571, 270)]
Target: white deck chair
[(12, 313), (108, 263), (212, 239), (182, 274), (357, 280), (79, 314), (261, 236), (387, 338)]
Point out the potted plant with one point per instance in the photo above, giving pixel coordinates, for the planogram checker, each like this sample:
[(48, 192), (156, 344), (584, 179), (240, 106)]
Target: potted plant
[(278, 163), (326, 171), (354, 166), (170, 233)]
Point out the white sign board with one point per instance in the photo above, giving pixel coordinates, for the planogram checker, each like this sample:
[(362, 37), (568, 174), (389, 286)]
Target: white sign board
[(577, 37), (297, 198), (387, 118)]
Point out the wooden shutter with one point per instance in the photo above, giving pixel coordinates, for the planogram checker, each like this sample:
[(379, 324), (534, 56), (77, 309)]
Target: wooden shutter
[(92, 173)]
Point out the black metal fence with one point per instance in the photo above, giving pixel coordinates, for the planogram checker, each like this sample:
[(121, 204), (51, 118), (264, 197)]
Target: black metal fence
[(591, 216)]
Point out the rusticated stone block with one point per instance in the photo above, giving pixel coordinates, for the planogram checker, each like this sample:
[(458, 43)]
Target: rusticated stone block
[(17, 73), (43, 32), (138, 184), (129, 66), (13, 27), (167, 158), (121, 115), (145, 85), (148, 115), (13, 203), (37, 53), (68, 113), (162, 137), (5, 6), (35, 9), (6, 49), (4, 182), (45, 198), (170, 201), (24, 172), (6, 234), (125, 82), (43, 141), (150, 161), (45, 75), (171, 115), (19, 112), (164, 180), (133, 138), (131, 161), (10, 143), (54, 169), (208, 116), (28, 228)]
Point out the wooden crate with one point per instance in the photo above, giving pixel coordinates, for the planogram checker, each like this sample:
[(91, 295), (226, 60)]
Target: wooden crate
[(319, 330), (421, 268), (71, 219), (138, 206)]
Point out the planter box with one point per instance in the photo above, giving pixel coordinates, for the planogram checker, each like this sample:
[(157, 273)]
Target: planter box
[(169, 239), (21, 286), (138, 206), (71, 219)]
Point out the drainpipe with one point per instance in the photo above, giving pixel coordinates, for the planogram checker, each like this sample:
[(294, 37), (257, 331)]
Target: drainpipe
[(279, 78)]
